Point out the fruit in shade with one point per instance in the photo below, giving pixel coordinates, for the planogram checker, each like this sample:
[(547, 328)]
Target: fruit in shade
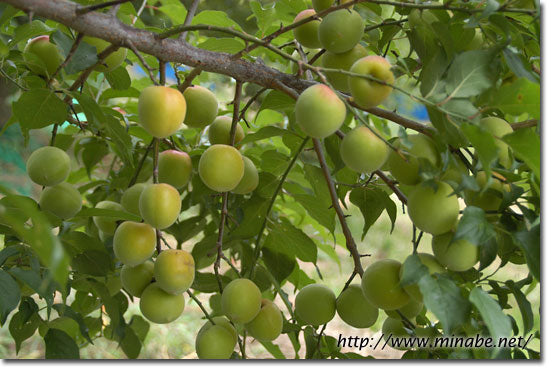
[(130, 199), (341, 30), (319, 112), (381, 285), (307, 34), (487, 199), (160, 205), (433, 267), (362, 151), (268, 323), (315, 304), (134, 243), (159, 306), (342, 61), (459, 255), (48, 166), (354, 309), (221, 167), (62, 200), (135, 279), (241, 300), (393, 329), (410, 310), (320, 5), (216, 341), (202, 106), (433, 211), (367, 93), (499, 128), (161, 110), (219, 130), (174, 271), (455, 171), (250, 179), (42, 56), (104, 223), (114, 60), (174, 168), (407, 171)]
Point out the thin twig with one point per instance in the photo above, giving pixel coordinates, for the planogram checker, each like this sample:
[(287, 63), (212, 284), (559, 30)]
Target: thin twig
[(188, 19), (141, 164), (142, 61), (155, 175), (204, 311), (253, 98), (392, 185), (68, 57), (189, 78), (90, 8), (385, 23)]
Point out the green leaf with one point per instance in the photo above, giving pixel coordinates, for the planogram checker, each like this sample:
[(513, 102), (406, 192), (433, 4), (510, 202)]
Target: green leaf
[(470, 74), (526, 144), (524, 307), (29, 30), (474, 228), (285, 238), (224, 44), (119, 214), (120, 139), (273, 349), (140, 326), (215, 18), (277, 101), (9, 295), (264, 133), (279, 264), (93, 262), (91, 109), (22, 327), (33, 279), (130, 344), (484, 144), (207, 283), (530, 242), (84, 56), (118, 78), (413, 270), (67, 311), (318, 210), (59, 345), (517, 98), (46, 109), (518, 66), (371, 202), (266, 17)]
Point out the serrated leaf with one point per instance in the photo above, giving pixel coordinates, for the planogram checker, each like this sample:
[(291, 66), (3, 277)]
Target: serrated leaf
[(469, 74), (39, 108), (285, 238)]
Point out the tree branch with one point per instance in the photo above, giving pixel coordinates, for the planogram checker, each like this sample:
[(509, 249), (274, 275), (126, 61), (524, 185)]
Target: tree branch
[(525, 124), (68, 57), (140, 164), (188, 19), (87, 9)]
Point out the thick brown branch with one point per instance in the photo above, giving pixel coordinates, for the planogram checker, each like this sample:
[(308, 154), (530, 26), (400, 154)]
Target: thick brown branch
[(525, 124)]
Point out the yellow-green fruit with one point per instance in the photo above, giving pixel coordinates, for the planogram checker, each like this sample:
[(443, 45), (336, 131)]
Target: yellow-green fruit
[(434, 212), (215, 302), (202, 106), (160, 205), (341, 30), (250, 179), (63, 323), (241, 300), (367, 93), (315, 304), (381, 285), (174, 271), (135, 279), (48, 166), (320, 5), (433, 267), (410, 310), (307, 34), (214, 342), (499, 128), (107, 224), (221, 167), (362, 151), (221, 321), (319, 112), (489, 199), (42, 56), (174, 168), (354, 309), (130, 199), (134, 243), (62, 200), (114, 60), (342, 61), (407, 171), (394, 329), (218, 132), (161, 110), (459, 255), (268, 323), (455, 171), (159, 306)]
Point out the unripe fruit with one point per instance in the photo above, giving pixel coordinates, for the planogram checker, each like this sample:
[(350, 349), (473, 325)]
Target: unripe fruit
[(62, 200), (410, 310), (433, 267), (48, 166), (489, 199), (41, 49), (134, 243), (459, 255), (215, 302), (241, 300), (160, 205), (219, 130), (319, 112), (202, 106), (215, 342), (455, 171), (174, 271), (407, 171), (268, 323), (130, 199), (107, 224), (161, 110), (342, 61), (381, 285), (315, 304), (114, 60), (341, 30), (221, 167), (393, 329), (221, 321), (159, 306), (250, 179), (434, 212), (367, 93), (499, 128), (354, 309), (307, 34), (320, 5), (135, 279), (362, 151), (174, 168)]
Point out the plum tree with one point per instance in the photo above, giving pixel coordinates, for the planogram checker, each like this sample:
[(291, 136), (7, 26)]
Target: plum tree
[(111, 62), (307, 34), (107, 224), (202, 106), (487, 198), (433, 210), (315, 304), (241, 300), (410, 310), (218, 132), (457, 255), (268, 323), (433, 266), (354, 309), (250, 179), (363, 151), (134, 243), (320, 5), (367, 93), (216, 341), (130, 199), (407, 171), (319, 112), (174, 271), (175, 168), (161, 110), (341, 30), (48, 166), (394, 329), (62, 200), (136, 278), (499, 128), (381, 285), (221, 167), (342, 61), (455, 171), (159, 306), (160, 205), (42, 56)]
